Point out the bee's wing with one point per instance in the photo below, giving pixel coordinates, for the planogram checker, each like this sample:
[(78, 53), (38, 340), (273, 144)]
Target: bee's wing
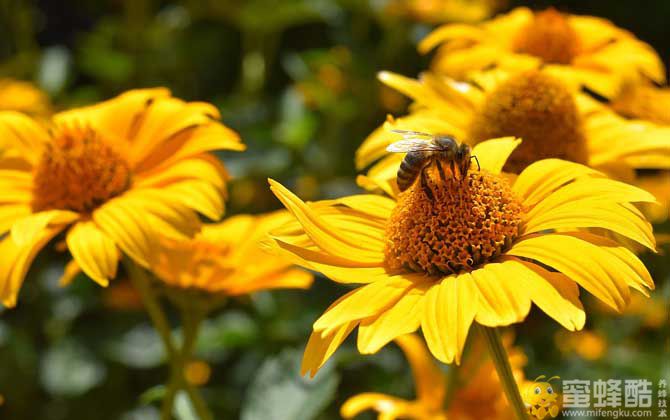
[(407, 133), (412, 145)]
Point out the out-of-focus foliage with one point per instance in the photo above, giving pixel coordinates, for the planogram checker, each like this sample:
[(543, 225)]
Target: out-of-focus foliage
[(296, 79)]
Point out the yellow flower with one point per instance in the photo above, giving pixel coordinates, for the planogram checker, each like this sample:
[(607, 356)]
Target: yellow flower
[(228, 258), (645, 102), (16, 95), (583, 49), (478, 251), (440, 11), (553, 119), (587, 344), (113, 176), (478, 395)]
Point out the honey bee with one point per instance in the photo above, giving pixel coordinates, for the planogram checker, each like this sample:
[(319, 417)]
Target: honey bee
[(425, 150)]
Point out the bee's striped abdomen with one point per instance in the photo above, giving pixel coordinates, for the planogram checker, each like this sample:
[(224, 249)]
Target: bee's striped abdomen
[(410, 167)]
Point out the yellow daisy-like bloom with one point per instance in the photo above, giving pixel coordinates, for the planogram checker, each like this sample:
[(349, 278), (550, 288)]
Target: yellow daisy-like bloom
[(586, 50), (477, 251), (645, 102), (554, 121), (113, 176), (16, 95), (478, 396), (227, 258), (440, 11)]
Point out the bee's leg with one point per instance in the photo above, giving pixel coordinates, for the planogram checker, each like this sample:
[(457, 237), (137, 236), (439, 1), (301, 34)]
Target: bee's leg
[(440, 170), (425, 186), (452, 167)]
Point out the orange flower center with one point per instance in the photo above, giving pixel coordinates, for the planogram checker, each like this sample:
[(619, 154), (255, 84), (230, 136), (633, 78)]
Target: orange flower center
[(78, 171), (550, 37), (467, 223), (541, 111)]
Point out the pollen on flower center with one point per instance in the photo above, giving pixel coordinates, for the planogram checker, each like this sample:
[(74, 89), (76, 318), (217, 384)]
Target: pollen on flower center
[(466, 224), (78, 171), (550, 37), (540, 110)]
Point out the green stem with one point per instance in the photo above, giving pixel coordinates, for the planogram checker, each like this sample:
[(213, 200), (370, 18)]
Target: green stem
[(501, 362), (141, 281), (192, 317)]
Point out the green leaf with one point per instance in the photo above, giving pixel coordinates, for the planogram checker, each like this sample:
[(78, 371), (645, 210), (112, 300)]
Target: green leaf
[(277, 392)]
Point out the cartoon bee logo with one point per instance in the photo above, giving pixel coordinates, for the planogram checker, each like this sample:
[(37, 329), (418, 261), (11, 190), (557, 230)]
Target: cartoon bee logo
[(541, 399)]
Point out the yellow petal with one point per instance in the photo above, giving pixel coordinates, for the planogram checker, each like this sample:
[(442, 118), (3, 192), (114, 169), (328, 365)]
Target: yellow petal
[(403, 317), (541, 178), (22, 133), (25, 230), (15, 261), (124, 224), (502, 301), (429, 379), (592, 189), (331, 239), (117, 117), (198, 195), (492, 154), (95, 253), (372, 401), (449, 32), (285, 279), (553, 293), (10, 213), (449, 310), (589, 265), (206, 168), (593, 214), (363, 302), (320, 348), (71, 271)]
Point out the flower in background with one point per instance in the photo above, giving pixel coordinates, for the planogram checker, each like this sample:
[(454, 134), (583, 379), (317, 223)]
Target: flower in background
[(478, 393), (111, 176), (478, 249), (586, 50), (553, 119), (227, 258), (17, 95), (589, 345), (441, 11)]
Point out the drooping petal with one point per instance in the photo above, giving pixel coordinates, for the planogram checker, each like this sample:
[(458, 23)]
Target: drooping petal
[(15, 260), (95, 253), (552, 292), (121, 221), (403, 317), (429, 379), (591, 267), (363, 302), (449, 309), (502, 301), (320, 348), (71, 271)]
